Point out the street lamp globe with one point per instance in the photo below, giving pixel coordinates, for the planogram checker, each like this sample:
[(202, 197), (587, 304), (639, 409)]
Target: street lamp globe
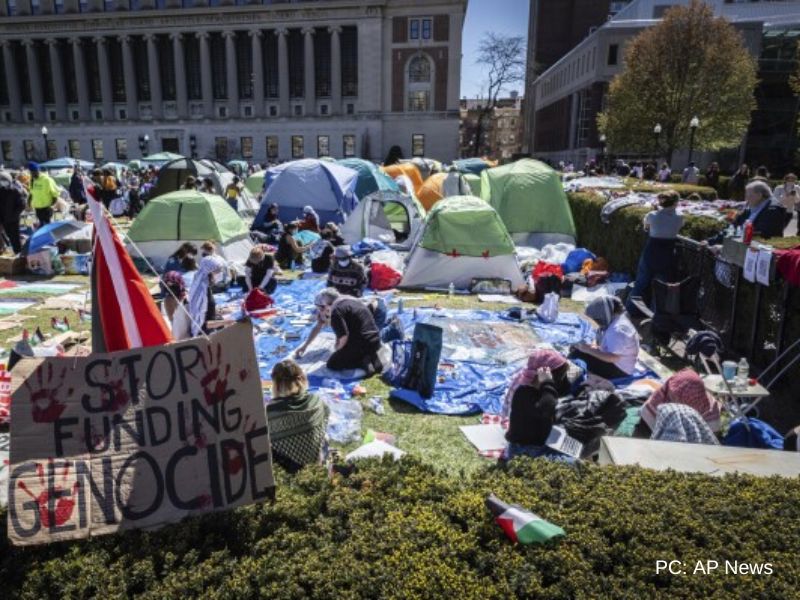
[(602, 138), (44, 129), (657, 129), (146, 138), (694, 123)]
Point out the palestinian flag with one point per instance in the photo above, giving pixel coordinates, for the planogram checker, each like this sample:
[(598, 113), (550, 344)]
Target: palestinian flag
[(521, 525)]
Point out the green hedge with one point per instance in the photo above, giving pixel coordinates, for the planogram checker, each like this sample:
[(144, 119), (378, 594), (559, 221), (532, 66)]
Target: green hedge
[(406, 531), (622, 240)]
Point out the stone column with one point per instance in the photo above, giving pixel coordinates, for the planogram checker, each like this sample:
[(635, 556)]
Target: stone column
[(131, 88), (232, 82), (155, 76), (14, 96), (283, 72), (105, 78), (82, 83), (336, 70), (258, 72), (35, 79), (309, 88), (205, 75), (181, 95), (59, 88)]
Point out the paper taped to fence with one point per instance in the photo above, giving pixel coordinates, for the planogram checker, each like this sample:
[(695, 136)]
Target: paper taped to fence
[(136, 439)]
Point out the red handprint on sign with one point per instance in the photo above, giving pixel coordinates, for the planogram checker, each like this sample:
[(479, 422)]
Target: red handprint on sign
[(215, 380), (46, 407), (63, 506), (115, 396)]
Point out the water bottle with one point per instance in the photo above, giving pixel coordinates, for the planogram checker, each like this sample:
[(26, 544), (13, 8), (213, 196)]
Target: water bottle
[(451, 289), (400, 306), (731, 231), (742, 373), (376, 404)]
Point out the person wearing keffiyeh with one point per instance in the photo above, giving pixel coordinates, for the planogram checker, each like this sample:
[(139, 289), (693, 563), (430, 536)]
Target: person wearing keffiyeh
[(681, 423), (685, 387), (201, 300)]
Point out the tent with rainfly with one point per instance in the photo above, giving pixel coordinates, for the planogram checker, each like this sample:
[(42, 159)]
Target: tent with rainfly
[(370, 178), (530, 199), (255, 183), (443, 185), (463, 238), (409, 170), (391, 217), (327, 187), (170, 220)]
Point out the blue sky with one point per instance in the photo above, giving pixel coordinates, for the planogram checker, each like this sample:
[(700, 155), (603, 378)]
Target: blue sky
[(500, 16)]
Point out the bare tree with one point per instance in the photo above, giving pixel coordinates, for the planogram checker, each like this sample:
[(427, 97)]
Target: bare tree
[(503, 58)]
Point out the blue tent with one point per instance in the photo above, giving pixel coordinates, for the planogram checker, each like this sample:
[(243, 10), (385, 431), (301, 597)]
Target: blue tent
[(370, 178), (50, 234), (327, 187), (471, 165), (65, 162)]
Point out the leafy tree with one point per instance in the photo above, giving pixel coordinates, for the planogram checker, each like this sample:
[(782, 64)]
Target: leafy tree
[(690, 64), (503, 58)]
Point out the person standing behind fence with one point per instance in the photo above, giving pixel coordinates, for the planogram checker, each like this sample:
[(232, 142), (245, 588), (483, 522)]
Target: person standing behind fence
[(658, 256), (787, 195), (12, 205)]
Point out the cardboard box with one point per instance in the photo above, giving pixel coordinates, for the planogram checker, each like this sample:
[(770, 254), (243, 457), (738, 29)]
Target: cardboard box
[(13, 265)]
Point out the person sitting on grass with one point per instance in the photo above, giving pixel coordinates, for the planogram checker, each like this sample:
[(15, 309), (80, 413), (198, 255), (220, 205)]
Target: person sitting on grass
[(347, 275), (533, 413), (618, 342), (297, 419), (321, 253), (290, 251), (357, 335), (310, 220), (539, 359), (260, 271), (271, 228)]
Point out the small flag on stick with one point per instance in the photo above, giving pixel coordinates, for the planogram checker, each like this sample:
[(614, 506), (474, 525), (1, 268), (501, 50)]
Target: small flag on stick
[(521, 525)]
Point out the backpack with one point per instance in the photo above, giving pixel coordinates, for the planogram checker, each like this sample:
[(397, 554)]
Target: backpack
[(415, 363)]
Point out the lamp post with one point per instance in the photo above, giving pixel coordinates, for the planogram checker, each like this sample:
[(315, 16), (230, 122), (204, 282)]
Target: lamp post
[(193, 145), (602, 140), (44, 136), (656, 136), (693, 125), (144, 144)]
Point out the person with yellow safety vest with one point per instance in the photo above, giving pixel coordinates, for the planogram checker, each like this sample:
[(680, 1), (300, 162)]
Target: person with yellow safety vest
[(44, 193)]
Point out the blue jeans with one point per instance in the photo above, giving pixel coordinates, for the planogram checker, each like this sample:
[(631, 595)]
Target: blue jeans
[(656, 262)]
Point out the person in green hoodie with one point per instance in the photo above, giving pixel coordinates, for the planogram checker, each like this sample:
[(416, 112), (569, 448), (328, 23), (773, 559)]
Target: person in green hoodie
[(44, 193), (297, 419)]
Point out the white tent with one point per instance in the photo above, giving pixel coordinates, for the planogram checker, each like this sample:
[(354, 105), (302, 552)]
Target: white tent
[(380, 216)]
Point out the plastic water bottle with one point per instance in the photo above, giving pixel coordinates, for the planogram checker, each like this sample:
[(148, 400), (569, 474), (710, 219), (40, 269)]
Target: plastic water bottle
[(451, 289), (400, 306), (742, 373)]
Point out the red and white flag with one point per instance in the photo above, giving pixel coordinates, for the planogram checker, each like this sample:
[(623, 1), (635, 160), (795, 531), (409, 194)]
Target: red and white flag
[(124, 314)]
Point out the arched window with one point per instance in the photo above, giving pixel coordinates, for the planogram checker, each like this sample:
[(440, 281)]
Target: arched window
[(419, 84)]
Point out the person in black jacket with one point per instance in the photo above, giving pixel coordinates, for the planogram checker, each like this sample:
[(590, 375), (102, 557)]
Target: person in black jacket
[(762, 209), (76, 190), (12, 204)]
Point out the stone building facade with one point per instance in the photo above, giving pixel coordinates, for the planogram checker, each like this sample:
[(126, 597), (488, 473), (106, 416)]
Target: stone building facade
[(263, 81)]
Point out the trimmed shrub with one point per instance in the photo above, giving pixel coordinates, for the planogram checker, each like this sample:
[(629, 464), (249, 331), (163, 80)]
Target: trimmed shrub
[(622, 240), (403, 530)]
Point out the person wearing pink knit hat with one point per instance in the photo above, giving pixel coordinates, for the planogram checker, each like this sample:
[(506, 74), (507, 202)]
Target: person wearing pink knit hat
[(539, 359), (684, 387)]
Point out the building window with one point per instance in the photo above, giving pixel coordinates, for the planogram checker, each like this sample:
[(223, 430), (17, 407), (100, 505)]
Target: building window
[(52, 115), (218, 68), (191, 49), (294, 43), (613, 51), (74, 147), (122, 148), (248, 111), (418, 144), (97, 149), (123, 114), (349, 42), (427, 27), (298, 110), (419, 84), (273, 111), (420, 29), (244, 65), (272, 147), (247, 147), (323, 145), (8, 153), (323, 109), (139, 50), (322, 63), (29, 115), (28, 149), (98, 114), (221, 148), (117, 73), (351, 108), (223, 111), (269, 47), (348, 146), (75, 115), (297, 146), (413, 29), (52, 149)]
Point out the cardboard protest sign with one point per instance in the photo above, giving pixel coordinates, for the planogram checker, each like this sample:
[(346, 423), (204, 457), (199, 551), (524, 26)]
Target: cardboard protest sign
[(136, 439)]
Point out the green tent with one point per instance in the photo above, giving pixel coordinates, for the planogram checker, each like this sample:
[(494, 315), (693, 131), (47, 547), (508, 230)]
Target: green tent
[(188, 216), (255, 183), (529, 197), (474, 182), (63, 178), (370, 178), (160, 158), (463, 239)]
